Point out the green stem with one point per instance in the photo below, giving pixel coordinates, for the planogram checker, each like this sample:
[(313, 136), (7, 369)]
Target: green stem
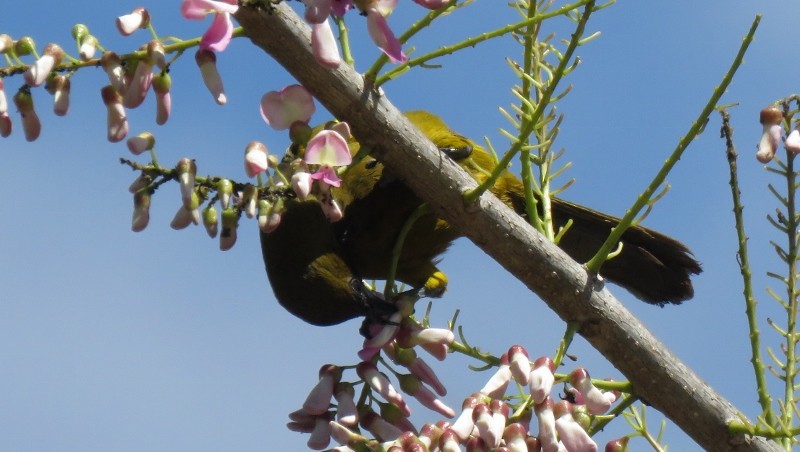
[(397, 250), (764, 397), (790, 371), (528, 124), (613, 239)]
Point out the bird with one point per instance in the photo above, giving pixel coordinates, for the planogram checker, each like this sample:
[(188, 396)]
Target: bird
[(317, 268)]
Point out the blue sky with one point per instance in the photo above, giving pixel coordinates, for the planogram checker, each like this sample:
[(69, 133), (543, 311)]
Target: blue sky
[(112, 340)]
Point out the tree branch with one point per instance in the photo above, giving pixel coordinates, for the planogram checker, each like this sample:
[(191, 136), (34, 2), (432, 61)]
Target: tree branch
[(657, 375)]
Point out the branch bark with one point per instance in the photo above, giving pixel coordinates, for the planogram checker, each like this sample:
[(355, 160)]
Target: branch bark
[(657, 375)]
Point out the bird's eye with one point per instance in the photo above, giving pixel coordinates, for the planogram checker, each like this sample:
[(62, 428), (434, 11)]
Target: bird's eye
[(457, 153)]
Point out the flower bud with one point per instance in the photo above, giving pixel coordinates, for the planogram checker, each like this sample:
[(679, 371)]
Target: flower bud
[(138, 18), (210, 221), (224, 189), (207, 62), (37, 73), (116, 120), (162, 83), (230, 223), (141, 210), (30, 120), (145, 141)]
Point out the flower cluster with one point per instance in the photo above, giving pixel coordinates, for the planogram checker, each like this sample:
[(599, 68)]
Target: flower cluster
[(488, 419), (130, 77), (323, 43), (312, 175)]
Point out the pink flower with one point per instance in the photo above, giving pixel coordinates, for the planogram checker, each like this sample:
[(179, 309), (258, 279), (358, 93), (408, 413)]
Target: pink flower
[(138, 18), (3, 98), (269, 215), (37, 73), (256, 160), (328, 149), (301, 184), (249, 200), (139, 84), (59, 87), (383, 430), (383, 37), (771, 118), (340, 7), (346, 412), (514, 436), (463, 426), (596, 400), (30, 120), (319, 398), (207, 62), (542, 379), (141, 143), (368, 372), (412, 385), (432, 4), (792, 142), (317, 11), (570, 432), (408, 358), (520, 365), (449, 441), (112, 64), (498, 383), (219, 34), (324, 46), (547, 425), (280, 109)]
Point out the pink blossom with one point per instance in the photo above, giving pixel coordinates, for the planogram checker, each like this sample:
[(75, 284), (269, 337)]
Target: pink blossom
[(541, 379), (514, 436), (368, 372), (385, 332), (383, 36), (383, 430), (249, 200), (301, 184), (432, 4), (37, 73), (596, 400), (184, 217), (321, 434), (498, 383), (520, 364), (412, 385), (141, 143), (138, 86), (30, 120), (138, 18), (450, 441), (59, 87), (219, 34), (346, 412), (317, 11), (408, 358), (464, 424), (255, 158), (324, 46), (770, 118), (792, 142), (429, 434), (112, 64), (319, 398), (570, 432), (207, 62), (547, 425), (280, 109)]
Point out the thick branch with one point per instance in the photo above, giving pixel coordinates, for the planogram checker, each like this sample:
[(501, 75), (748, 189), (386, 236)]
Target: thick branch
[(657, 375)]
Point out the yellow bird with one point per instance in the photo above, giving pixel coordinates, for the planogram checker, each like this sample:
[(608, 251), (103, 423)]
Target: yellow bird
[(315, 267)]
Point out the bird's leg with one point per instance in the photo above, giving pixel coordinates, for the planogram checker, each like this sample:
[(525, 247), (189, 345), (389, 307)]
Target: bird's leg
[(377, 310)]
